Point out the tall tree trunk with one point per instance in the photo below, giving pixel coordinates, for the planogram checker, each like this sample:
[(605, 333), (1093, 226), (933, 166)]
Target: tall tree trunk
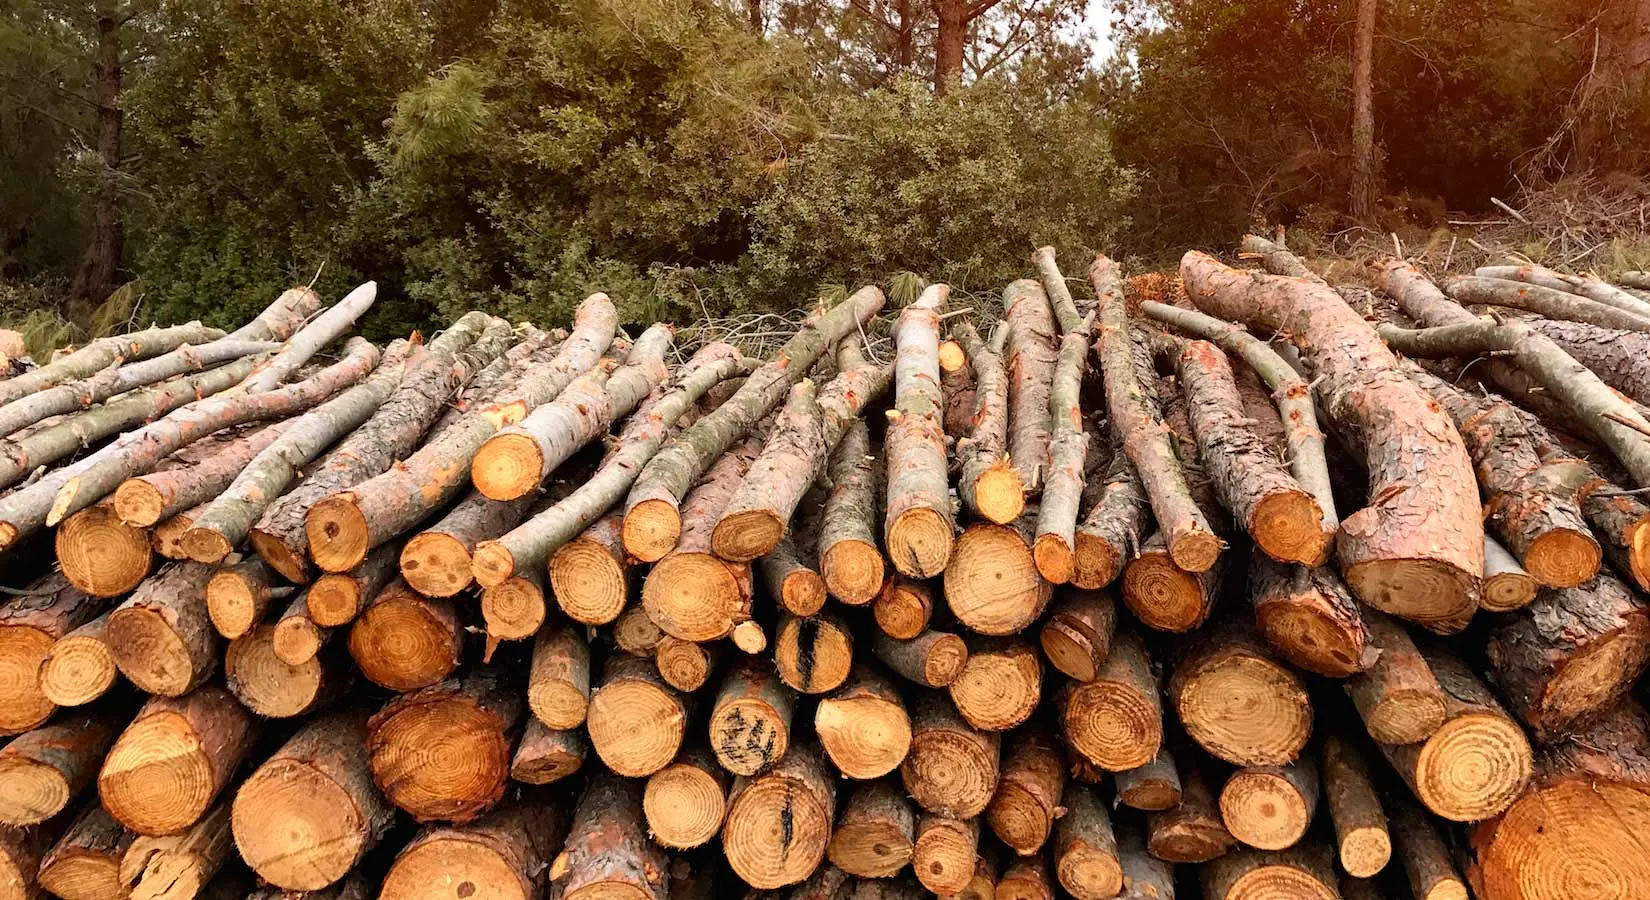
[(950, 40), (95, 279), (1618, 60), (905, 49), (1363, 111)]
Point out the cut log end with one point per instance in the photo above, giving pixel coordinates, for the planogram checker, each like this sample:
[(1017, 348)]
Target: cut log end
[(78, 669), (1365, 851), (866, 736), (278, 556), (636, 726), (999, 688), (1288, 526), (903, 609), (492, 563), (296, 640), (1577, 687), (749, 637), (297, 827), (999, 494), (440, 760), (1520, 854), (508, 466), (23, 705), (335, 599), (234, 603), (31, 791), (1195, 550), (944, 853), (157, 779), (1264, 809), (1472, 767), (436, 564), (403, 643), (951, 356), (920, 542), (204, 545), (993, 586), (1056, 561), (694, 596), (150, 652), (1097, 562), (1508, 590), (1431, 593), (853, 571), (744, 535), (776, 832), (338, 534), (1247, 710), (267, 684), (101, 554), (588, 582), (139, 503), (475, 869), (684, 805), (802, 592), (1563, 557), (1311, 638), (651, 529), (1112, 725), (1162, 595), (1406, 716), (513, 609)]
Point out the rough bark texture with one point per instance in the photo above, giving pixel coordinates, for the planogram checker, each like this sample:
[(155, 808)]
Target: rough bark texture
[(168, 766), (1362, 842), (545, 755), (1030, 789), (1077, 636), (607, 853), (1029, 356), (989, 486), (1054, 548), (1397, 695), (1119, 514), (30, 625), (849, 559), (1427, 860), (1308, 616), (932, 658), (1418, 549), (84, 864), (951, 769), (443, 752), (1473, 289), (1614, 356), (1086, 859), (1115, 720), (1589, 286), (42, 771), (162, 637), (918, 524), (759, 513)]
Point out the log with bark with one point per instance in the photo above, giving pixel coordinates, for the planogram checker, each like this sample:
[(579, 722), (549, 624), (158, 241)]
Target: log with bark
[(875, 836), (918, 522), (31, 624), (863, 726), (1031, 786), (501, 855), (162, 637), (1303, 872), (404, 641), (944, 851), (1589, 286), (1236, 699), (1118, 517), (933, 658), (271, 687), (992, 585), (316, 333), (1054, 548), (42, 771), (443, 752), (84, 864), (1191, 831), (170, 764), (1115, 719), (952, 769), (1087, 855), (179, 866), (1029, 355), (1362, 841), (989, 486), (78, 668), (1554, 304), (117, 349), (636, 721)]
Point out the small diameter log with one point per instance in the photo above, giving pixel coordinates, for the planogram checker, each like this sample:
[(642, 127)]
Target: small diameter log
[(919, 528), (685, 665), (951, 769), (1026, 878), (316, 333), (100, 554), (1192, 830), (238, 596), (903, 608), (686, 801), (1066, 311), (814, 653), (1397, 696), (1270, 807), (589, 576), (758, 515), (992, 585), (791, 579), (514, 609), (983, 886), (443, 752), (1086, 859), (1506, 585), (1054, 548), (1474, 290), (1027, 801), (1165, 597), (104, 352), (933, 658), (1570, 653), (1115, 720), (1362, 842), (779, 822), (944, 852), (1478, 762), (178, 866), (1029, 356), (297, 638), (436, 562), (165, 537), (1308, 616), (1151, 787), (161, 637), (84, 864), (42, 771), (310, 812), (607, 853), (1589, 286), (750, 722), (336, 598), (989, 486), (1145, 877), (1110, 532), (1000, 685), (404, 641), (190, 478), (653, 517), (270, 687), (1132, 401), (558, 687), (1427, 860), (30, 626), (545, 756), (636, 634), (636, 721), (849, 559), (1236, 699), (1303, 872), (863, 726), (501, 856), (168, 766), (1610, 354), (1077, 636), (79, 667), (877, 832)]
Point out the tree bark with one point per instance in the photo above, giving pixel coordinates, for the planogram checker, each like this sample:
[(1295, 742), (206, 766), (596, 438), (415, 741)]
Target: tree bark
[(1589, 286), (1152, 787), (120, 349), (162, 637), (1145, 877), (505, 853), (952, 769), (1030, 356), (404, 641), (1077, 636), (1115, 720), (1029, 792), (1086, 858), (169, 766), (1054, 548), (1110, 534), (989, 486), (1362, 842), (1562, 305), (849, 559), (1398, 697), (1427, 860), (1191, 831), (558, 687), (443, 752), (1612, 355), (919, 526), (876, 834), (1363, 112), (42, 771), (933, 658), (30, 627)]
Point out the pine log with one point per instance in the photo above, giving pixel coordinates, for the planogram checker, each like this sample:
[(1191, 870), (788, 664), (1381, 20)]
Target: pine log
[(779, 822), (336, 598), (903, 608), (1118, 515), (653, 519), (1029, 791), (849, 559), (813, 654), (1144, 876), (297, 638), (1132, 402), (1115, 720), (942, 856), (918, 525), (992, 585), (952, 769), (1397, 696), (499, 857), (791, 578), (1476, 290), (635, 633), (78, 668), (1308, 616), (1303, 872), (1192, 830), (636, 721), (685, 665), (1029, 355), (933, 658), (877, 832), (1165, 597), (84, 864), (1427, 860), (1506, 585), (750, 722), (433, 373), (1478, 762), (30, 626), (544, 755), (310, 812), (1589, 286), (169, 766), (346, 525), (161, 637), (269, 686), (1150, 787), (1000, 685), (514, 609), (166, 537), (443, 752), (1076, 638), (1066, 311), (100, 554), (558, 687), (1236, 699), (178, 866), (863, 726), (238, 596), (1054, 548), (989, 487), (686, 801), (404, 641), (605, 854), (983, 886), (105, 352), (1610, 354), (1086, 858), (589, 576), (1270, 807), (1363, 844), (316, 333), (1026, 878), (42, 771), (1429, 571)]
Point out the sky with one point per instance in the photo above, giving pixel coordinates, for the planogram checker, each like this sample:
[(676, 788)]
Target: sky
[(1097, 21)]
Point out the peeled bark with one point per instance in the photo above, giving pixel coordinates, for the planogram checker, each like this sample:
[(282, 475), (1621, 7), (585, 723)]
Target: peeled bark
[(30, 626), (849, 559), (443, 752), (1236, 699), (162, 637), (989, 486), (169, 766), (918, 526), (1054, 548)]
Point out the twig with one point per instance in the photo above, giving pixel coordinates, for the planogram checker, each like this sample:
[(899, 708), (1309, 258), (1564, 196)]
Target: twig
[(1511, 212)]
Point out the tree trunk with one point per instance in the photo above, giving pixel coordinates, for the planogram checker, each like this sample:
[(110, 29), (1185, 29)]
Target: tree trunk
[(443, 752), (1119, 513), (272, 688), (1000, 684), (95, 278), (1589, 286), (336, 598), (1363, 112), (545, 755), (1362, 843), (1077, 636), (84, 864), (1115, 720), (992, 585), (101, 354), (41, 771), (849, 559), (1029, 792), (100, 554), (238, 596), (162, 637), (919, 527), (1560, 305), (950, 42), (989, 486), (169, 766), (876, 834), (933, 658)]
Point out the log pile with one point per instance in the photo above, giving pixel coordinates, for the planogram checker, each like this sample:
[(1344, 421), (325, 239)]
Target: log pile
[(1218, 589)]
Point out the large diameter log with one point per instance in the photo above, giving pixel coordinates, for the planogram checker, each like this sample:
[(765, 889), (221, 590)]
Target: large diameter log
[(933, 658), (269, 686), (168, 766), (545, 755), (1397, 696), (1028, 798), (499, 857), (162, 637), (1308, 616), (1192, 830), (918, 526), (944, 852), (750, 722), (79, 667), (1478, 762), (1054, 548), (30, 626), (1115, 720), (1086, 853), (1362, 841), (443, 752), (989, 486), (1000, 685), (1236, 699), (42, 770), (849, 559), (992, 585), (863, 726), (1270, 807), (405, 641), (101, 554), (1303, 872), (952, 769), (84, 864), (686, 801), (779, 822), (1077, 636), (310, 812), (179, 866), (876, 834), (1570, 653), (636, 721), (1417, 551)]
